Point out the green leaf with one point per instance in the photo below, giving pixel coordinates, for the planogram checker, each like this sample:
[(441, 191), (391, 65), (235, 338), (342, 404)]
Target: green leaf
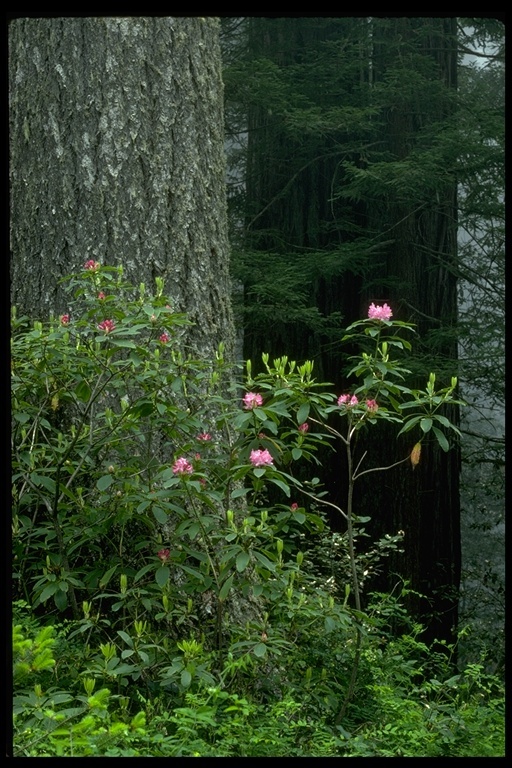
[(242, 561), (143, 409), (22, 417), (160, 515), (162, 576), (83, 391), (194, 572), (281, 485), (126, 637), (303, 413), (60, 599), (394, 403), (107, 576), (426, 425), (117, 343), (296, 453), (143, 571), (104, 482), (242, 419), (260, 650), (186, 678), (410, 424), (441, 439), (46, 482), (48, 592), (239, 492), (224, 590), (265, 561)]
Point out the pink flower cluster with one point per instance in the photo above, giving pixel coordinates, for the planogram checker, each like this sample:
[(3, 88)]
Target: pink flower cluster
[(372, 406), (252, 400), (379, 312), (101, 295), (164, 338), (163, 554), (64, 319), (204, 436), (92, 265), (304, 427), (182, 467), (261, 458), (107, 326), (347, 400)]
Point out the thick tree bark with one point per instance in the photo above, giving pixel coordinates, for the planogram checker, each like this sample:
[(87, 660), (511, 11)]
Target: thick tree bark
[(117, 155)]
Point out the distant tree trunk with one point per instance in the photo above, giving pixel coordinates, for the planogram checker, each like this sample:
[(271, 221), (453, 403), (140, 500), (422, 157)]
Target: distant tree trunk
[(418, 278), (117, 155)]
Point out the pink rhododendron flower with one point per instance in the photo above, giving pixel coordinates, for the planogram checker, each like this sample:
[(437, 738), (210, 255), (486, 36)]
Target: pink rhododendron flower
[(347, 400), (294, 506), (164, 338), (372, 406), (304, 427), (101, 295), (64, 319), (204, 436), (182, 467), (378, 312), (163, 554), (252, 400), (91, 264), (261, 458), (107, 326)]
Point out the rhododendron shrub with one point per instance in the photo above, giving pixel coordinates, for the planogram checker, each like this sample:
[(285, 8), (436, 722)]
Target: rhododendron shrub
[(117, 515)]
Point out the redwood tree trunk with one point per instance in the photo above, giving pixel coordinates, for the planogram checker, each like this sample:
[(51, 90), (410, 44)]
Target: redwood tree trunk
[(117, 155)]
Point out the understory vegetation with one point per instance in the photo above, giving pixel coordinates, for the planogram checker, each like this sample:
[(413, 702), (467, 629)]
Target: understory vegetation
[(177, 589)]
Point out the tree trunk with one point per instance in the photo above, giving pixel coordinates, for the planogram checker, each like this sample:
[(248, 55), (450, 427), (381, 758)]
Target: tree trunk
[(117, 155), (418, 278)]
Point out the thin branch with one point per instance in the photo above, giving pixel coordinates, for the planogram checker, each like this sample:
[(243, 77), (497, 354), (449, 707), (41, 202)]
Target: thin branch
[(323, 501), (379, 469)]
